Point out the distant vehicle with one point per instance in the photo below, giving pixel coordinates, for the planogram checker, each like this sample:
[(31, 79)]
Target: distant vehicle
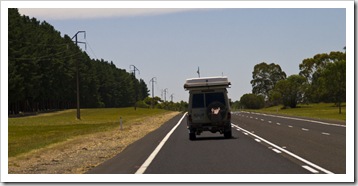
[(209, 107)]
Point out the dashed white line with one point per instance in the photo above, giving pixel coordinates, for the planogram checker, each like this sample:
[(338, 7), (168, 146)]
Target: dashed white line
[(270, 121), (304, 129), (278, 123), (257, 140), (290, 126), (287, 152), (310, 169), (262, 120), (325, 133), (277, 151)]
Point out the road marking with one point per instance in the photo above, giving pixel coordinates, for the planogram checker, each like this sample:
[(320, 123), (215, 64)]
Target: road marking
[(290, 126), (310, 169), (287, 152), (313, 121), (325, 133), (256, 118), (278, 123), (270, 121), (257, 140), (149, 160), (250, 116), (262, 120), (305, 129), (277, 151)]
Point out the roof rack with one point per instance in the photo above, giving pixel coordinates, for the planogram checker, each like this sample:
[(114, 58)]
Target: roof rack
[(207, 83)]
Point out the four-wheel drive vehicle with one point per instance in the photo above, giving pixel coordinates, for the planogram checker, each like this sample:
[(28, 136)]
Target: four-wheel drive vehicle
[(209, 107)]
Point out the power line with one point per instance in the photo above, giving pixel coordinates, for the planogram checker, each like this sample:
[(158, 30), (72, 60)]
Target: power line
[(91, 49)]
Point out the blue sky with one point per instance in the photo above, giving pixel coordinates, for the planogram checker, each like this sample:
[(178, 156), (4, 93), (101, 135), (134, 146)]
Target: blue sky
[(170, 45)]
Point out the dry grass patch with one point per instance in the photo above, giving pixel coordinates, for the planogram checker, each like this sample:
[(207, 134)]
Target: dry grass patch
[(81, 153)]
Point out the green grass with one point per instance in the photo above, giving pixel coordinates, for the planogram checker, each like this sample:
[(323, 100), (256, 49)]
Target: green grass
[(327, 111), (35, 132)]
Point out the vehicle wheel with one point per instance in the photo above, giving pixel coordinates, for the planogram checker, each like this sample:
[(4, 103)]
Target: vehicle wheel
[(192, 136), (228, 134)]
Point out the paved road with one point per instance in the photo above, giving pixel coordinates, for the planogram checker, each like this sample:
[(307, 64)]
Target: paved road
[(266, 145)]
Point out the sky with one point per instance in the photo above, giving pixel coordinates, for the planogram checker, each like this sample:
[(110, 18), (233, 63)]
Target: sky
[(171, 44)]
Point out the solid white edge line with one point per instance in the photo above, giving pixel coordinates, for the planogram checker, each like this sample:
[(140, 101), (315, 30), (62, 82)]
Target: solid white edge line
[(287, 152), (313, 121), (149, 160)]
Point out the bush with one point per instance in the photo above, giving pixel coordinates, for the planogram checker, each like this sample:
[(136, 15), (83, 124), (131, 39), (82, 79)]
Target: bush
[(252, 101)]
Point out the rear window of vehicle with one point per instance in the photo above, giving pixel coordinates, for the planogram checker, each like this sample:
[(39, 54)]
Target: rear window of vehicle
[(214, 97), (198, 100)]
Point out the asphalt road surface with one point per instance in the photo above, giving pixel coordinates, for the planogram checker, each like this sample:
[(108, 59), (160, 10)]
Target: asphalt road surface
[(261, 144)]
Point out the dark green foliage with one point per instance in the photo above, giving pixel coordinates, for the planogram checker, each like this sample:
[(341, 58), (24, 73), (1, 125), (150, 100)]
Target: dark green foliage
[(264, 78), (312, 69), (252, 101), (42, 72), (290, 90)]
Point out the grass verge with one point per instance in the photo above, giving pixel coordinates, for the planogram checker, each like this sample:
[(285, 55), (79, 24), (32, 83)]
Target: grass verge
[(36, 132), (325, 111)]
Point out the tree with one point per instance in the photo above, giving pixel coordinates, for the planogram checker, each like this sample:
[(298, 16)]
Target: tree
[(291, 90), (311, 69), (252, 101), (334, 82), (264, 78), (42, 71)]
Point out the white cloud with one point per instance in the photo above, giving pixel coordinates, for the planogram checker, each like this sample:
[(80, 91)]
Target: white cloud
[(90, 13)]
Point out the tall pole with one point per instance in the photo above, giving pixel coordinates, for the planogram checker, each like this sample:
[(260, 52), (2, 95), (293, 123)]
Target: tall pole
[(77, 75), (135, 88), (165, 94), (153, 80)]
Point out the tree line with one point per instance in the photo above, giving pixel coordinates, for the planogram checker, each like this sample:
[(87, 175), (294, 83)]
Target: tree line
[(42, 72), (322, 78)]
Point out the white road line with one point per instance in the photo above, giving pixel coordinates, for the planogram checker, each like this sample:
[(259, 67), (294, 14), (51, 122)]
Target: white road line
[(278, 123), (262, 120), (287, 152), (310, 169), (325, 133), (313, 121), (149, 160), (290, 126), (270, 121), (305, 129), (277, 151), (257, 140), (256, 118)]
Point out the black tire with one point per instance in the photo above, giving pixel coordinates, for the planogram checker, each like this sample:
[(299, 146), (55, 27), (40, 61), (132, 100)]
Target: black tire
[(216, 104), (192, 136), (228, 134)]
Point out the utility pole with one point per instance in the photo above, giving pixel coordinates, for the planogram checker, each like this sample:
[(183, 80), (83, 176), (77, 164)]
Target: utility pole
[(154, 79), (165, 94), (135, 87), (171, 97), (77, 73)]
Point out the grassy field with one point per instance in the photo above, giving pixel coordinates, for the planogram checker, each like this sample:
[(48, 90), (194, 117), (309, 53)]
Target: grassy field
[(35, 132), (327, 111)]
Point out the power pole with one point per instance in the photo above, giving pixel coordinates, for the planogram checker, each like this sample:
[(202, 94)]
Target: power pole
[(135, 87), (171, 97), (77, 74), (165, 94), (154, 79)]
